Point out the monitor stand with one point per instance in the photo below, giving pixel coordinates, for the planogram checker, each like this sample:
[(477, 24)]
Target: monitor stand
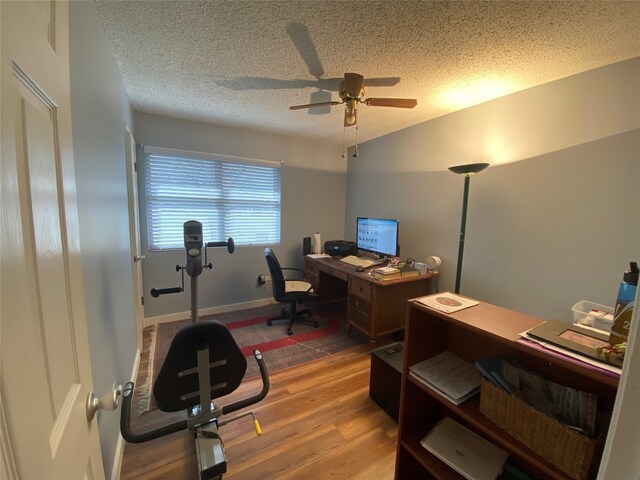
[(377, 260)]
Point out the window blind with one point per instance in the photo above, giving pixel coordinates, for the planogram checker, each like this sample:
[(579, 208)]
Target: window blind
[(239, 199)]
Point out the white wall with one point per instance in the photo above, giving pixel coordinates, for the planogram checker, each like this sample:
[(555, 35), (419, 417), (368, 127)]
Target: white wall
[(551, 222), (100, 110), (313, 200)]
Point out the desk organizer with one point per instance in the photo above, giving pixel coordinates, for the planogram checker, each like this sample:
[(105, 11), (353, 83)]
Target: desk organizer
[(564, 447)]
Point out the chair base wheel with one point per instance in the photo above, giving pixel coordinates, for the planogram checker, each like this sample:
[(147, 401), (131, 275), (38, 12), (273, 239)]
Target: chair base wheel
[(269, 323), (289, 332)]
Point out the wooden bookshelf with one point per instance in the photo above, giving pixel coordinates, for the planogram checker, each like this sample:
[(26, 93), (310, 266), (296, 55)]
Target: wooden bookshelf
[(481, 331)]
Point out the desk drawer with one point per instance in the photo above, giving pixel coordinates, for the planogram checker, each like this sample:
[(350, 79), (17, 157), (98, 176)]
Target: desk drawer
[(310, 268), (359, 313), (360, 287), (334, 272), (311, 273)]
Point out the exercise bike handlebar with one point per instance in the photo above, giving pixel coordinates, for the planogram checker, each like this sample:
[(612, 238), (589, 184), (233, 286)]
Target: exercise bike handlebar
[(229, 244), (156, 292), (127, 395), (125, 421)]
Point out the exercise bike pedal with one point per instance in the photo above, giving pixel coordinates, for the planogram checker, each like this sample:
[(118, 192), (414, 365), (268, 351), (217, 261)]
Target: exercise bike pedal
[(256, 425)]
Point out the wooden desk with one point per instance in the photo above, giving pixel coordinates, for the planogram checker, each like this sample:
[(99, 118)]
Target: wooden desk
[(374, 307)]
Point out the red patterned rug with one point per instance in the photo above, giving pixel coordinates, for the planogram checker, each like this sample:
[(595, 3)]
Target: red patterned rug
[(249, 329)]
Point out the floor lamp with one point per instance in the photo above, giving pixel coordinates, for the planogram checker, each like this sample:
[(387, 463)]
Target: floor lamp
[(467, 171)]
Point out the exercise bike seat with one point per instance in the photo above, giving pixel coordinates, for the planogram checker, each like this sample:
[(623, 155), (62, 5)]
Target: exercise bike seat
[(176, 387)]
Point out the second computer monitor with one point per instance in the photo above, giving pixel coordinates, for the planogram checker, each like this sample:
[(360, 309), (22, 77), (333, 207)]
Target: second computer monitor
[(378, 235)]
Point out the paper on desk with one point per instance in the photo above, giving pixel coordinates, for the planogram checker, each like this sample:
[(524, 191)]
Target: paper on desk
[(318, 255), (447, 302)]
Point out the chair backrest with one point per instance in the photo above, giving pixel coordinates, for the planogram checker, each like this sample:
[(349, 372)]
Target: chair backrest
[(176, 387), (277, 277)]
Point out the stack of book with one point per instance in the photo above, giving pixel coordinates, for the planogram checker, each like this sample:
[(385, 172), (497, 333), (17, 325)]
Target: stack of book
[(449, 376), (389, 273), (386, 273)]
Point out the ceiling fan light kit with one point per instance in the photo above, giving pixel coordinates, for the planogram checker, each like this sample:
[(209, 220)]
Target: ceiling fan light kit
[(352, 92)]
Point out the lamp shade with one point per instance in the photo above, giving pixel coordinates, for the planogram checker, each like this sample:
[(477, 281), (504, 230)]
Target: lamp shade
[(469, 169)]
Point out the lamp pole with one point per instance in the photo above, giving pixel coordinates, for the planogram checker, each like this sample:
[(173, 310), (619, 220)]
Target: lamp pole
[(463, 228), (467, 171)]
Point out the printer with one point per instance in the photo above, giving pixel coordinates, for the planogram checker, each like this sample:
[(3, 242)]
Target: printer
[(340, 248)]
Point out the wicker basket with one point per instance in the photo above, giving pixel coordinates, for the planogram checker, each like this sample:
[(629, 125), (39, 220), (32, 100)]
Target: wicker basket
[(564, 447)]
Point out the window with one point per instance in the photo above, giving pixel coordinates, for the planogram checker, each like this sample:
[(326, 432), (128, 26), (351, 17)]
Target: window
[(231, 197)]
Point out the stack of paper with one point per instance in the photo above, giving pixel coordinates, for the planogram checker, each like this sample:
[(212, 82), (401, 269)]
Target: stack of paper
[(449, 376), (468, 454)]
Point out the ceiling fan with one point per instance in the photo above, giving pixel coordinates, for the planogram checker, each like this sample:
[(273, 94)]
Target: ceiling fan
[(352, 92)]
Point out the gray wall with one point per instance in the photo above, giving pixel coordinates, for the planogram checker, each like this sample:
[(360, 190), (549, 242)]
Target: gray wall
[(553, 221), (99, 111), (313, 200)]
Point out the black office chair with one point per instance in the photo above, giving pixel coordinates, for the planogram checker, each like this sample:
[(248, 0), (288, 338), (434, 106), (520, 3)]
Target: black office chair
[(289, 291)]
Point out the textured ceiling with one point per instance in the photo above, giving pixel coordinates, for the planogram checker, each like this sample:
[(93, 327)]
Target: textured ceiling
[(243, 63)]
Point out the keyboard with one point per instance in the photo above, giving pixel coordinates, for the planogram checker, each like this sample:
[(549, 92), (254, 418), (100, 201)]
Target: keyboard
[(361, 262)]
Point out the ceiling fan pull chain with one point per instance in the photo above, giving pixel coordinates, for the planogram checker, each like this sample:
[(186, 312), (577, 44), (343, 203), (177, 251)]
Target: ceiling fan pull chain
[(355, 154), (344, 130)]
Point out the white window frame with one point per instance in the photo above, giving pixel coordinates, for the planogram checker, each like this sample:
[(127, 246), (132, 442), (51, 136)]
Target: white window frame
[(229, 209)]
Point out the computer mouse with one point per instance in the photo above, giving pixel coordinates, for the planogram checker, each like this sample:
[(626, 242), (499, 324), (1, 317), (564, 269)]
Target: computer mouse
[(359, 269)]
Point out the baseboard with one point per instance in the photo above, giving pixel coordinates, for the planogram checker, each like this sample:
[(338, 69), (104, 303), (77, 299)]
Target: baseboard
[(119, 455), (173, 317)]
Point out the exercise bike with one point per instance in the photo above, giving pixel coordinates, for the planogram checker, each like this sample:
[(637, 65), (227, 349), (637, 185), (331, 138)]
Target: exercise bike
[(204, 362)]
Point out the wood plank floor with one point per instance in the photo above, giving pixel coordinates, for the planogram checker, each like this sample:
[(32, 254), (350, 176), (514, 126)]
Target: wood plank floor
[(318, 422)]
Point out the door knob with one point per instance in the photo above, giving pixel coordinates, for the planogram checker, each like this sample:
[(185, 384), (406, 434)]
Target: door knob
[(136, 258), (109, 401)]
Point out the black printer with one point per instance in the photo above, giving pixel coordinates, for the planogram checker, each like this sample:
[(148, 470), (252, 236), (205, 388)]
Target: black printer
[(340, 248)]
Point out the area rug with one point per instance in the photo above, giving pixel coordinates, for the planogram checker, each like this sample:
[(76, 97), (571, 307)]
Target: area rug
[(249, 329)]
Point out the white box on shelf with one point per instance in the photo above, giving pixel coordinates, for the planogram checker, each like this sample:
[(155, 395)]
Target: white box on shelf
[(593, 315)]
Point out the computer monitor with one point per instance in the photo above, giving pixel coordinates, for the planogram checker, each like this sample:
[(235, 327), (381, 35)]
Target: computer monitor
[(378, 235)]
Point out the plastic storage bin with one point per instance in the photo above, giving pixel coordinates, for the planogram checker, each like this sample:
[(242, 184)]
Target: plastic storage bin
[(593, 315)]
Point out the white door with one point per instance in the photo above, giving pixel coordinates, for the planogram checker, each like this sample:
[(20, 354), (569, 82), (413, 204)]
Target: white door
[(45, 368), (134, 233)]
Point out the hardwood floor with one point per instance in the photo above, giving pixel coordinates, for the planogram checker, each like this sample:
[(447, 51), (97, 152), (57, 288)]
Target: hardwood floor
[(318, 422)]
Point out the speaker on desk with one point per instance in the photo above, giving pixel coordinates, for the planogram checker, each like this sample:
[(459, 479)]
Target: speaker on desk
[(306, 245)]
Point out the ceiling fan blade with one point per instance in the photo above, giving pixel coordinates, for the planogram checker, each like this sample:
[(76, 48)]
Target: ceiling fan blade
[(382, 81), (312, 105), (392, 102), (353, 84)]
